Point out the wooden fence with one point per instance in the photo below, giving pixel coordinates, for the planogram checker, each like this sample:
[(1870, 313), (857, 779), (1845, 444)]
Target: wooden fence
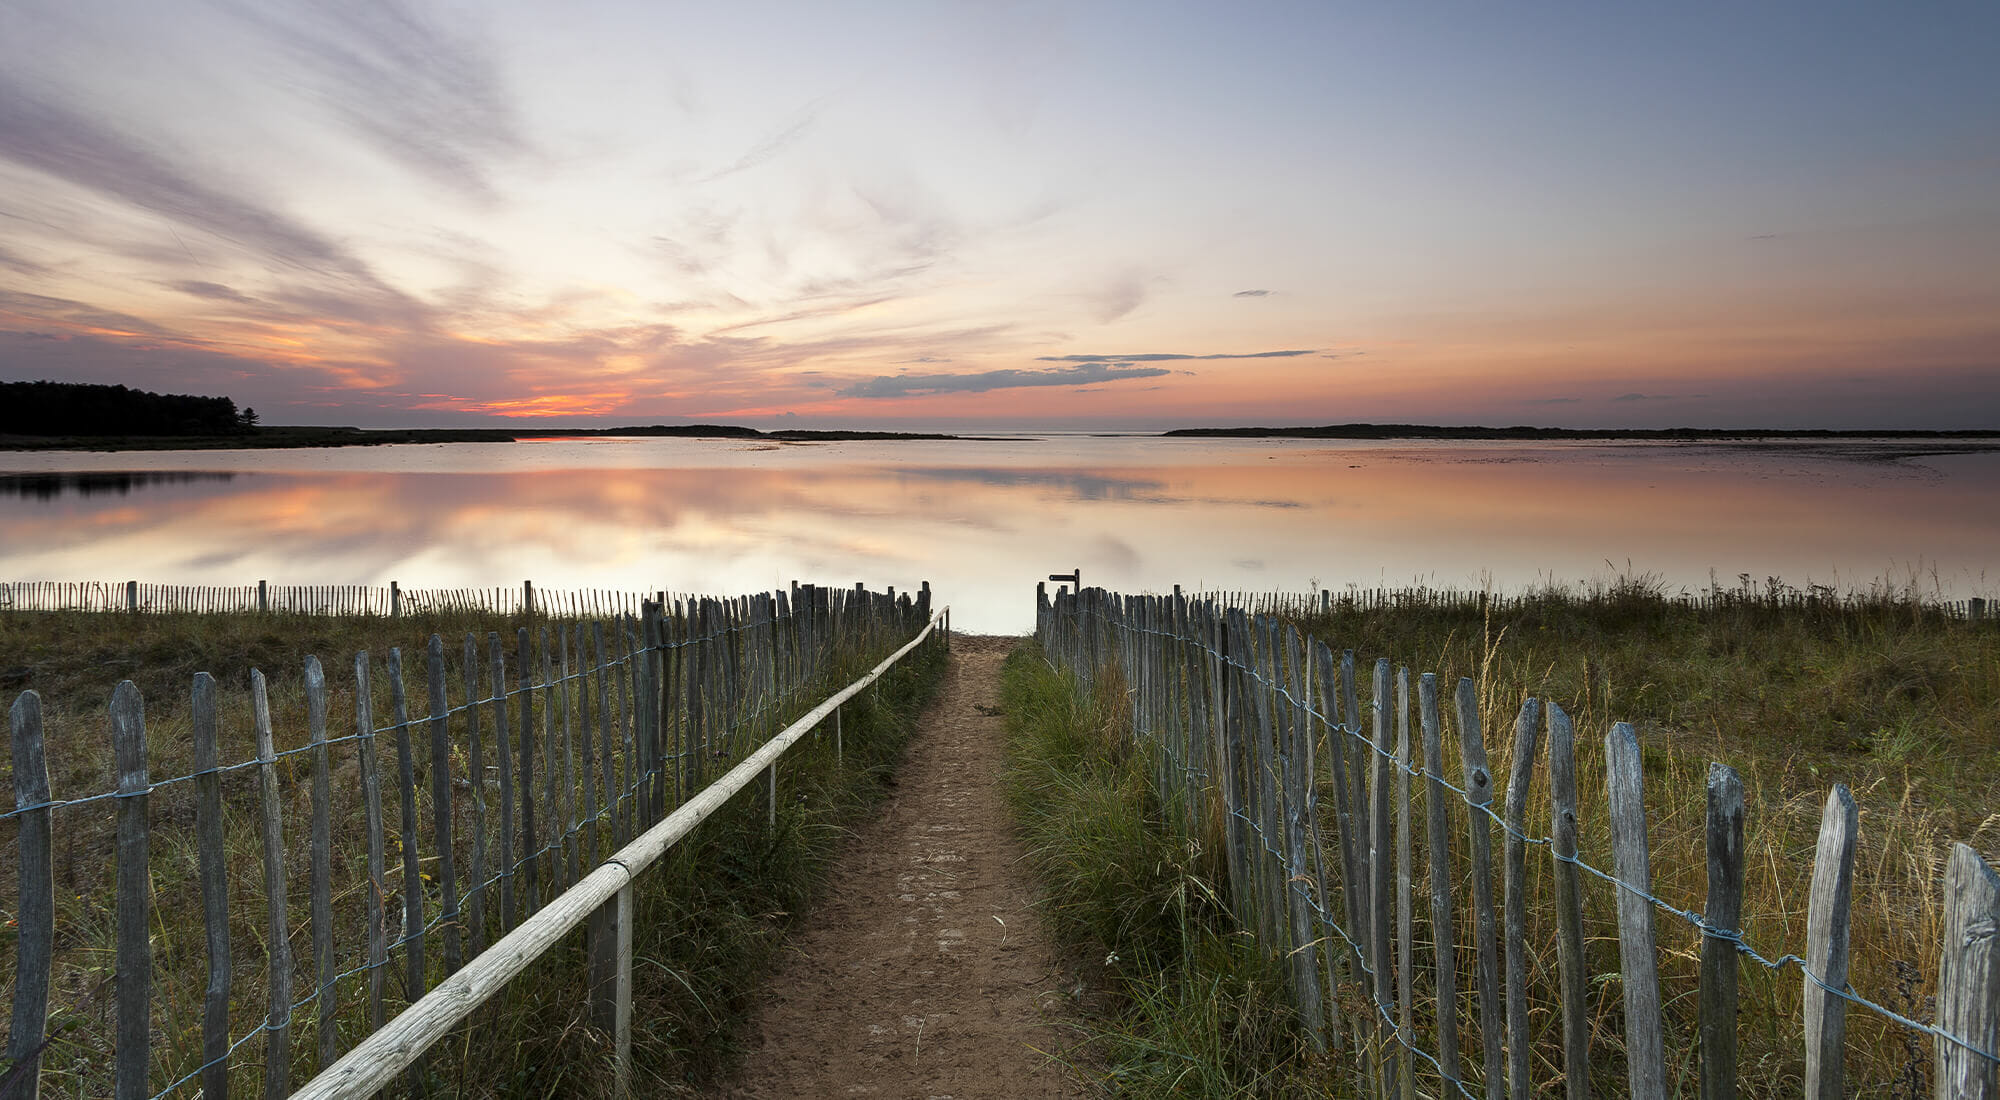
[(1252, 725), (1774, 597), (509, 784), (328, 599)]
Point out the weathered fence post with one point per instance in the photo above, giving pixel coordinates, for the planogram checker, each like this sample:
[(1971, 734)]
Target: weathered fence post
[(322, 859), (441, 802), (395, 600), (1379, 876), (371, 803), (1445, 964), (1574, 978), (1724, 913), (1968, 997), (496, 672), (475, 767), (1405, 914), (1826, 945), (1645, 1047), (36, 906), (214, 887), (263, 596), (132, 596), (278, 948), (413, 879), (1479, 794), (134, 977), (1520, 773), (608, 943)]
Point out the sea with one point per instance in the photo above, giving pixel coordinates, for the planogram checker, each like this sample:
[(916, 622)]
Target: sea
[(984, 520)]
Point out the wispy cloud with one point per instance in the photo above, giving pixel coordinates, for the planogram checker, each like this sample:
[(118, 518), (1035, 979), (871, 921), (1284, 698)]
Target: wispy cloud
[(1251, 294), (1643, 397), (10, 258), (1119, 297), (1552, 401), (793, 133), (911, 385), (50, 137), (213, 291), (429, 99)]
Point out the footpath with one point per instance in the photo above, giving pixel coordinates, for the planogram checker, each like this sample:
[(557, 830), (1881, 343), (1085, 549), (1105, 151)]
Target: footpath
[(925, 973)]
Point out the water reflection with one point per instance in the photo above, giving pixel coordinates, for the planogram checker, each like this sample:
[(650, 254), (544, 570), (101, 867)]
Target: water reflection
[(1137, 515), (48, 486)]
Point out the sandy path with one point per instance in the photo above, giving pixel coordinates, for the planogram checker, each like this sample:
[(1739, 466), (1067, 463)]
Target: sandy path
[(926, 973)]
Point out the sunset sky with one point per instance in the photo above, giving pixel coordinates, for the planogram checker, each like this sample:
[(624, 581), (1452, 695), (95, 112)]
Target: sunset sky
[(1137, 215)]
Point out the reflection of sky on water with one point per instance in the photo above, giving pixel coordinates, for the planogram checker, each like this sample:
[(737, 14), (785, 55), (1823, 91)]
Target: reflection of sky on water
[(1132, 514)]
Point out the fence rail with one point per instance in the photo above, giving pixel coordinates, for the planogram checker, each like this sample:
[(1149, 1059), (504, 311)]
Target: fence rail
[(509, 783), (1238, 710)]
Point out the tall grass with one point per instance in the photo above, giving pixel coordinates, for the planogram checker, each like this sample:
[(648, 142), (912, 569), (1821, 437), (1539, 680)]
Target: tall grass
[(708, 915), (1186, 1005)]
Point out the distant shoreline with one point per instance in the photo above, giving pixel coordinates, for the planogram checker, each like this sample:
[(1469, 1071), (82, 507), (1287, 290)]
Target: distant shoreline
[(306, 437), (301, 436), (1434, 431)]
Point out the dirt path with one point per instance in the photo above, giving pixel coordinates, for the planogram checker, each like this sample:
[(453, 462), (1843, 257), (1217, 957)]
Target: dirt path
[(925, 974)]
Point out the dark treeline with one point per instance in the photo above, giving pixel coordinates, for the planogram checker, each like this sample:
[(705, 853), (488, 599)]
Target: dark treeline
[(78, 408)]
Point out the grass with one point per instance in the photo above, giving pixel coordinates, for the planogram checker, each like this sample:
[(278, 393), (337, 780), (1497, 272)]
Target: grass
[(1185, 1004), (1796, 691), (708, 915)]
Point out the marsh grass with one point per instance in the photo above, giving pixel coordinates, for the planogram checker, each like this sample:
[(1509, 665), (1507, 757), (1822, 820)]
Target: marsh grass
[(1184, 1003), (708, 915), (1797, 693)]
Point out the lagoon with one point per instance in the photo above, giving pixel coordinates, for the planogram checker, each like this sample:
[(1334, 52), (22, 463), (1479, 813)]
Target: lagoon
[(983, 520)]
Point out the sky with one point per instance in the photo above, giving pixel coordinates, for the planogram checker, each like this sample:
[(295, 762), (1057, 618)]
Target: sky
[(1010, 213)]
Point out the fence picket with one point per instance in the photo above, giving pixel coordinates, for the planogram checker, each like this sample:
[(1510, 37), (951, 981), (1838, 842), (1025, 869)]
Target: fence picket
[(1573, 978), (1645, 1051), (413, 879), (214, 876), (1724, 911), (35, 908), (1443, 938), (524, 778), (496, 672), (1826, 946), (278, 948), (1379, 871), (441, 803), (1521, 773), (475, 774), (375, 903), (133, 983), (1405, 913), (1968, 998), (321, 861), (1479, 794)]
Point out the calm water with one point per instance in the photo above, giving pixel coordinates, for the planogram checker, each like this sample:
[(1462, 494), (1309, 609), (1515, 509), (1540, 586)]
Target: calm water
[(982, 521)]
